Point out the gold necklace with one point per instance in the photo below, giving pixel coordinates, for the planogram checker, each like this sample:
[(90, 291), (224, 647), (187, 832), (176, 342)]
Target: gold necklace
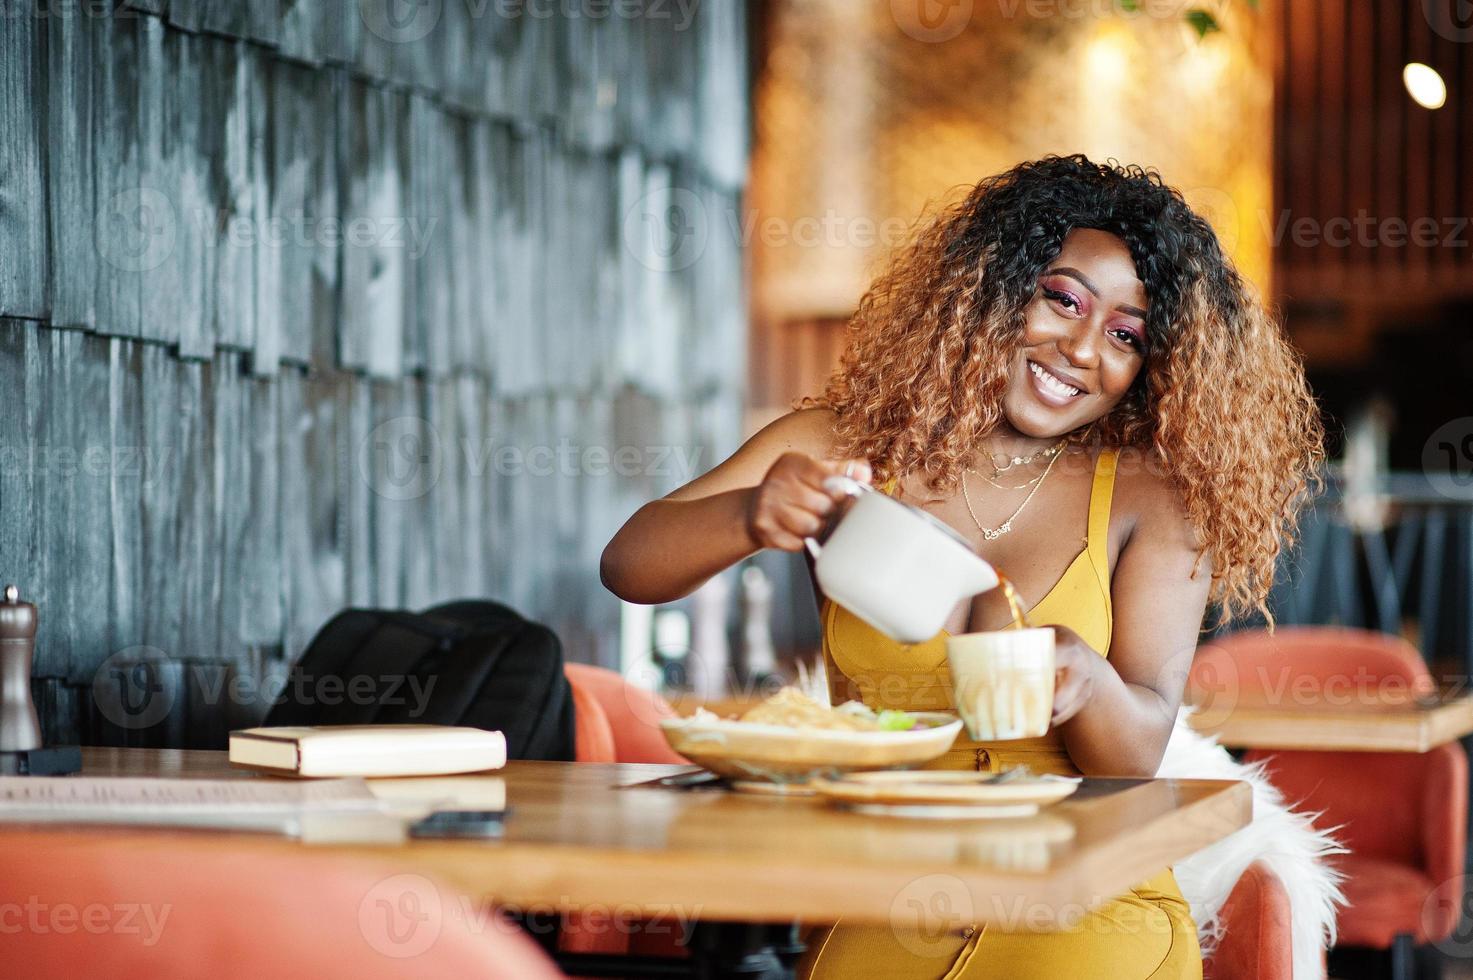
[(993, 533), (1022, 486), (1048, 452)]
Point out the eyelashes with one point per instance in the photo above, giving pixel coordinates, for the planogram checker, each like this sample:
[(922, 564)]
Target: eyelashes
[(1061, 297), (1072, 303), (1130, 337)]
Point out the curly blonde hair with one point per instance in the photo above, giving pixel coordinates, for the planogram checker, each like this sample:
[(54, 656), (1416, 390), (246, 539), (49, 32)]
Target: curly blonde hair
[(1222, 402)]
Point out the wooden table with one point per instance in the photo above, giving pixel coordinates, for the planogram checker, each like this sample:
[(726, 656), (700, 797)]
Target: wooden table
[(576, 839), (1332, 724)]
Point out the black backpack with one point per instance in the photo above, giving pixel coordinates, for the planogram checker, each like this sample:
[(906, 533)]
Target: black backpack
[(472, 663)]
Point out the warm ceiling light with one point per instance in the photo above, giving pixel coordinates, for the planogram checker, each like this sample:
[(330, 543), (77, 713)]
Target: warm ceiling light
[(1424, 85), (1106, 59)]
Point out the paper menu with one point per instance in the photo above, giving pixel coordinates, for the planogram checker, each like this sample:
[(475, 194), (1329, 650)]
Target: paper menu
[(320, 812), (102, 795)]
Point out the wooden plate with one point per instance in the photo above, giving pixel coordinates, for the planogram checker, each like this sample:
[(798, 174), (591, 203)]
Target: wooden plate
[(774, 753)]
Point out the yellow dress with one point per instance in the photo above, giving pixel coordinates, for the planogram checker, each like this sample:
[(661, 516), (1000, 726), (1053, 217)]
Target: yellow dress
[(1146, 933)]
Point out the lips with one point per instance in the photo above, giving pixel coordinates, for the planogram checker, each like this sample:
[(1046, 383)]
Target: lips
[(1054, 388)]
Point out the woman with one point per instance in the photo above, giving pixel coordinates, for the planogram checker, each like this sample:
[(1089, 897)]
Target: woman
[(1067, 369)]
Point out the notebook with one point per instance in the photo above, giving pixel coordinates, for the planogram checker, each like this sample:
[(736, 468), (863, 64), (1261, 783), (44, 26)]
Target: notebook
[(368, 750)]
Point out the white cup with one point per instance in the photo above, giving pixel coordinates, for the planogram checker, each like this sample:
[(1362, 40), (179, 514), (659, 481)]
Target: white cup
[(1003, 682)]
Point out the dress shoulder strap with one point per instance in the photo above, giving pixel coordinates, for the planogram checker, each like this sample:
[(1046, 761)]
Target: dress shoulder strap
[(1100, 496)]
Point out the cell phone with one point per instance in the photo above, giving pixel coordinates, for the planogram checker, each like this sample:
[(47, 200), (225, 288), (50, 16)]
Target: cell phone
[(460, 824)]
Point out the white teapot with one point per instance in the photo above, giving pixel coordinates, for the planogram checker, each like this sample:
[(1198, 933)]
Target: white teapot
[(894, 566)]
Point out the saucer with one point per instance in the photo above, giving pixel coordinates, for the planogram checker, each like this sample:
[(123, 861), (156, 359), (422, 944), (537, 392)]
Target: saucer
[(944, 794)]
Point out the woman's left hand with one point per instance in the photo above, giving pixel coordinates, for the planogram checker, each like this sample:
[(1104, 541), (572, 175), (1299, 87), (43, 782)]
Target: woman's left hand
[(1074, 673)]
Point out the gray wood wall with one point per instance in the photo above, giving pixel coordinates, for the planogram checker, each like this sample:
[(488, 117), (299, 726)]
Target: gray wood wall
[(303, 306)]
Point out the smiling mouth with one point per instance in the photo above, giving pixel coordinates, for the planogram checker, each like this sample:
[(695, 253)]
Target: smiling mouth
[(1051, 382)]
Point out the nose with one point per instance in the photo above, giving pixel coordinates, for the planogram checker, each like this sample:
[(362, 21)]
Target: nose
[(1081, 345)]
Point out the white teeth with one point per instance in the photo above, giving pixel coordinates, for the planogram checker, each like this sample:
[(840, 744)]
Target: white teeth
[(1052, 383)]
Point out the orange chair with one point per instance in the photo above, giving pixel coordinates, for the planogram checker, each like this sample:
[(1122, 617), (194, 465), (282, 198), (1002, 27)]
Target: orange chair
[(617, 722), (593, 735), (1257, 940), (632, 714), (1403, 816), (129, 905)]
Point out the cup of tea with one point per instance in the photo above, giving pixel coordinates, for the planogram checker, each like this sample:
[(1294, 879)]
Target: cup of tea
[(1003, 682)]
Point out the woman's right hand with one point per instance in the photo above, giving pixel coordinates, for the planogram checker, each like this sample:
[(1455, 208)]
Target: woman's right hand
[(791, 503)]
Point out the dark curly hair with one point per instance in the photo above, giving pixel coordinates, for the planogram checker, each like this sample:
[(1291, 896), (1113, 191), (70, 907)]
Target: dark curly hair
[(1221, 406)]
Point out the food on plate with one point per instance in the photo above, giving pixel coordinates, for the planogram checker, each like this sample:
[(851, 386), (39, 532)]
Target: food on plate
[(791, 708)]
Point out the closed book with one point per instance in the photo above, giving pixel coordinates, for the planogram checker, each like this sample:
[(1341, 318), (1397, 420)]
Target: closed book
[(368, 750)]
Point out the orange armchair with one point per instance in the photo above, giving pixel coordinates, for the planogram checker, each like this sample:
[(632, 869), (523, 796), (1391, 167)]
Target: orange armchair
[(155, 906), (617, 722), (631, 715), (1257, 940), (1403, 816)]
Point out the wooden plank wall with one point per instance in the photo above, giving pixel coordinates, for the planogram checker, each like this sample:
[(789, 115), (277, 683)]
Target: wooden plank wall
[(302, 306), (1358, 162)]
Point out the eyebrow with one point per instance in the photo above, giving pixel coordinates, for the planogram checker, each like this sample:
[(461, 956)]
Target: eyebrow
[(1083, 280)]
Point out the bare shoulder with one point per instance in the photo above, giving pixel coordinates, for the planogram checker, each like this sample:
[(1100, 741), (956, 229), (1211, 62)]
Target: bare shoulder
[(1147, 498), (806, 430)]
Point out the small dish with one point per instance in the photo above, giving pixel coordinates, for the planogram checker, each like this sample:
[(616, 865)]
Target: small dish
[(945, 794)]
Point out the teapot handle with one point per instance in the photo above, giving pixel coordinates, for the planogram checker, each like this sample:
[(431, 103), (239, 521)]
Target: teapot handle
[(844, 484)]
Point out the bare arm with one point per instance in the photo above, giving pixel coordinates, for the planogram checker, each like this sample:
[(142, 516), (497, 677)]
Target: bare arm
[(1116, 715), (768, 494)]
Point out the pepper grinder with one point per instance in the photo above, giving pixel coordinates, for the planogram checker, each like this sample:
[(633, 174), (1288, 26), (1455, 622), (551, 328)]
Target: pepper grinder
[(21, 752)]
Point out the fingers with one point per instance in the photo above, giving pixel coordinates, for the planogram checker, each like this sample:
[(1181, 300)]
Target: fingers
[(792, 502), (784, 528), (784, 541), (855, 469), (1071, 693), (1074, 678)]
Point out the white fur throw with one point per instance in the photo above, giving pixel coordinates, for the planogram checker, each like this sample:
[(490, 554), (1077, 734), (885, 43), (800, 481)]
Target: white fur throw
[(1285, 841)]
